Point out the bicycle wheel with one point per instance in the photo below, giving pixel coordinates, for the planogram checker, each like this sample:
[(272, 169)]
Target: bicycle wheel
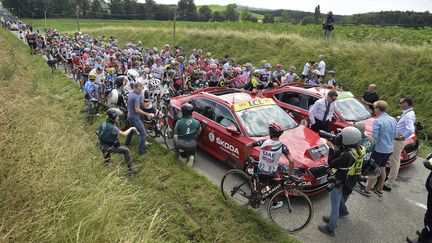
[(296, 212), (152, 130), (422, 137), (166, 133), (236, 185)]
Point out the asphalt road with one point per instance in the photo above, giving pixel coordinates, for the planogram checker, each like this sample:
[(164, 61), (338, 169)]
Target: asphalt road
[(391, 218)]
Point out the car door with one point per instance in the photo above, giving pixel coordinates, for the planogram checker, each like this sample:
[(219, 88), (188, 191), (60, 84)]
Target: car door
[(204, 112), (230, 144), (291, 103)]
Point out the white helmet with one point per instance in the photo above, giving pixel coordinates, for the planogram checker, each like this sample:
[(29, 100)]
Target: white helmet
[(350, 136), (154, 83), (132, 74)]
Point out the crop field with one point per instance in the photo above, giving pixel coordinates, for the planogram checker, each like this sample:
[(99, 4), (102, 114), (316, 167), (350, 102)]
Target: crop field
[(361, 34)]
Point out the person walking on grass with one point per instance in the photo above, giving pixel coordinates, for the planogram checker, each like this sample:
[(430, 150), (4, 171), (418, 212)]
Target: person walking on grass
[(383, 133)]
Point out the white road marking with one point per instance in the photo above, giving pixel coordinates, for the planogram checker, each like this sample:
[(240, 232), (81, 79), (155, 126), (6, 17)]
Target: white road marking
[(421, 205)]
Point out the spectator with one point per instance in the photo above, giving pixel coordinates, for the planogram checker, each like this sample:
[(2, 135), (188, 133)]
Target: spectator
[(321, 66), (370, 96), (291, 76), (328, 25), (404, 129), (306, 69), (383, 133)]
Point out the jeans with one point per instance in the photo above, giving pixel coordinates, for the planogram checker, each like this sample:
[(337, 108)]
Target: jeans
[(426, 233), (335, 200), (342, 207), (137, 123)]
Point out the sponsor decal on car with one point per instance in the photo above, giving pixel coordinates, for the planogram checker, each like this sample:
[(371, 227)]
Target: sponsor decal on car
[(226, 147), (253, 103)]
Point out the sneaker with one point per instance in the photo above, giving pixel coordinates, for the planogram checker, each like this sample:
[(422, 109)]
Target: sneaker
[(277, 205), (386, 188), (326, 219), (364, 192), (147, 143), (379, 193), (344, 214), (191, 161), (324, 229), (133, 170)]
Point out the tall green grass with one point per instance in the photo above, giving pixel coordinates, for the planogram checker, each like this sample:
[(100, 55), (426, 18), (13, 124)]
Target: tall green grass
[(53, 186)]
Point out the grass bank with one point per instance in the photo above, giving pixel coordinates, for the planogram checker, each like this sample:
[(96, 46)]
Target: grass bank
[(53, 186)]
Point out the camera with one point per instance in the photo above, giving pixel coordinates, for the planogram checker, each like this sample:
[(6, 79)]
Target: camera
[(335, 139), (333, 182)]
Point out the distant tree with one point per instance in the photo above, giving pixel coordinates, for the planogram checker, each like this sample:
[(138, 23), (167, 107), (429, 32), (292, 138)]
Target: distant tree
[(205, 13), (308, 20), (96, 8), (244, 14), (149, 10), (252, 19), (231, 13), (83, 6), (268, 19), (317, 13), (130, 9), (218, 16), (186, 10), (286, 16), (116, 7), (163, 12)]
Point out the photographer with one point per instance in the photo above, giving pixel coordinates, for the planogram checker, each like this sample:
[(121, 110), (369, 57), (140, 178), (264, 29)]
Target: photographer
[(425, 235), (341, 159), (108, 139)]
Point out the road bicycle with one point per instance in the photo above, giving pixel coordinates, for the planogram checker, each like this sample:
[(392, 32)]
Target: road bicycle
[(419, 131), (245, 188)]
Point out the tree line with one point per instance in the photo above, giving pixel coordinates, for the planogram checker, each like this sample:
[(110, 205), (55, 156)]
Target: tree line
[(186, 10)]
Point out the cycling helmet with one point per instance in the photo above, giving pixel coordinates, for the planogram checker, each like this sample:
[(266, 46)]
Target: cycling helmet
[(154, 83), (73, 55), (275, 129), (191, 62), (213, 66), (237, 70), (248, 65), (257, 73), (187, 109), (92, 76), (278, 65), (173, 62), (427, 162), (292, 68), (171, 72), (208, 54), (180, 58), (331, 73), (360, 126), (350, 136), (111, 70), (195, 71), (132, 74), (268, 65), (228, 69), (202, 73), (113, 113)]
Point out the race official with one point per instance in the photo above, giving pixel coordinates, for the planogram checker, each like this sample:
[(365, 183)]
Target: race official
[(321, 112), (404, 129), (186, 132)]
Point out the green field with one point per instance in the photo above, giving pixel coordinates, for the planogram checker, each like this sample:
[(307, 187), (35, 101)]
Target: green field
[(398, 68), (53, 187)]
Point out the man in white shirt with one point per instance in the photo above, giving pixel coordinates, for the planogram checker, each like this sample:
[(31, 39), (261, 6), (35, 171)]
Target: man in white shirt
[(321, 113), (308, 66), (321, 66), (404, 129)]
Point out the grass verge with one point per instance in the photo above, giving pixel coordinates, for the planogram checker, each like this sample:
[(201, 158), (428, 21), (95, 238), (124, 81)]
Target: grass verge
[(53, 186)]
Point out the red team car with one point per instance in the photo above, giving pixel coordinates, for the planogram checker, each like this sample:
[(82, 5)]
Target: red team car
[(296, 100), (232, 118)]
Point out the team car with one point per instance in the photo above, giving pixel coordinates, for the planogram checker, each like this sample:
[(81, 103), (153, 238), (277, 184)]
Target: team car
[(296, 99), (232, 118)]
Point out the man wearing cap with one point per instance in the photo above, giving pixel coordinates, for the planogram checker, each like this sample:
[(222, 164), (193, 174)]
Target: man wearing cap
[(404, 129), (321, 113)]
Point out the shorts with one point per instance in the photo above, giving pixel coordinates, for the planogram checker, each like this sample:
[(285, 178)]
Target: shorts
[(380, 159), (268, 178), (52, 63)]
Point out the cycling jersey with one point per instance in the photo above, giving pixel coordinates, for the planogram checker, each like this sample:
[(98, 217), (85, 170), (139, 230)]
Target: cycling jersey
[(270, 153), (214, 77)]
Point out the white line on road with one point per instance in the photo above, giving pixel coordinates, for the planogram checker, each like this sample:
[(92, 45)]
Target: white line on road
[(421, 205)]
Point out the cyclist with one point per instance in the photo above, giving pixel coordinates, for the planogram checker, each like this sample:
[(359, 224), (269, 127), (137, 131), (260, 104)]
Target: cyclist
[(108, 139), (270, 153), (291, 76), (278, 74), (214, 75), (89, 94), (186, 132)]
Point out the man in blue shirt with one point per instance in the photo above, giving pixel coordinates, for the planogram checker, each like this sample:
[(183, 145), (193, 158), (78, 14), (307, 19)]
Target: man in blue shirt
[(383, 133), (134, 112), (404, 129)]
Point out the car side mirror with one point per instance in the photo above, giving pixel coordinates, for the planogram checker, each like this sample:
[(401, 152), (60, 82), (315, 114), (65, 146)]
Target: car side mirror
[(232, 130)]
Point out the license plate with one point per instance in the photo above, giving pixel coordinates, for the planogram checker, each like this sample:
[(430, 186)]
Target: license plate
[(412, 154), (322, 180)]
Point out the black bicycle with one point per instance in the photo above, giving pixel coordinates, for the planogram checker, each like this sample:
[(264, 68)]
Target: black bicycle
[(244, 187), (421, 135)]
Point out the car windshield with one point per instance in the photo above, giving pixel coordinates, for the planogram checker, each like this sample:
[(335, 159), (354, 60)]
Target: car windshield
[(256, 120), (352, 110)]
